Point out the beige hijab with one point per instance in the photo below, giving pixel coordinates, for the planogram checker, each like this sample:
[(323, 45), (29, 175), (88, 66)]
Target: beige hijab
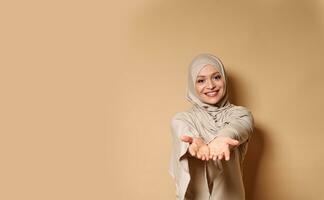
[(196, 65), (208, 119)]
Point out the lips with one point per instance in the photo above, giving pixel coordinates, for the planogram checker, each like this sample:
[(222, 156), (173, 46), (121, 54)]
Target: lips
[(212, 93)]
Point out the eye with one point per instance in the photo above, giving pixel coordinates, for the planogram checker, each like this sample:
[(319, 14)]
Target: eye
[(200, 80), (217, 77)]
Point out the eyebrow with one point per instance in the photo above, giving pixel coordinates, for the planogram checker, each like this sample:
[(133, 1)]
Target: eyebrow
[(211, 74)]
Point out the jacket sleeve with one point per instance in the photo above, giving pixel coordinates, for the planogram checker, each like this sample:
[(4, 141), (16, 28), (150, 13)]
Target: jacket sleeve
[(179, 128), (179, 167), (239, 125)]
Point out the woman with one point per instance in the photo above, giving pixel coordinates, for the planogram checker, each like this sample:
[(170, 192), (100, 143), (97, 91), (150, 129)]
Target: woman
[(210, 139)]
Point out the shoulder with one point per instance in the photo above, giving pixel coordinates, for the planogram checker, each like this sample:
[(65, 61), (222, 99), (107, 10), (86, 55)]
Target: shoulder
[(240, 110), (179, 116), (184, 117)]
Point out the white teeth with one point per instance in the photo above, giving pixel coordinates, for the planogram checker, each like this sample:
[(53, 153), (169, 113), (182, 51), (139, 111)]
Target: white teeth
[(211, 94)]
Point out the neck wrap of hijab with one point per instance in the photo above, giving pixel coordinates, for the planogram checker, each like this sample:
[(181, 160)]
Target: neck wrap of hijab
[(208, 119)]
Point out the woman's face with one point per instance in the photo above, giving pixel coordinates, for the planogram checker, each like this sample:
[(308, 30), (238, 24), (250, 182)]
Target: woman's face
[(210, 85)]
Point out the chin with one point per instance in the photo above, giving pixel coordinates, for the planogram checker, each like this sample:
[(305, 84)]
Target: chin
[(212, 101)]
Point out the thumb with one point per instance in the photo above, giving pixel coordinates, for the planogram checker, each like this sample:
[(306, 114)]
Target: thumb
[(186, 138), (233, 142)]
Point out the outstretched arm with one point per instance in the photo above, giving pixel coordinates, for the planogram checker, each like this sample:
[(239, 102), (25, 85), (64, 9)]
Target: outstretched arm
[(238, 130), (239, 125), (185, 140)]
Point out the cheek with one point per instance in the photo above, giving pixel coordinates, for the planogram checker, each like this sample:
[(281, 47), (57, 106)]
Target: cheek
[(222, 84), (198, 89)]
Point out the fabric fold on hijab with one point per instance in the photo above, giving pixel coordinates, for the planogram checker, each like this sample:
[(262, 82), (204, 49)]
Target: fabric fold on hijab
[(211, 118)]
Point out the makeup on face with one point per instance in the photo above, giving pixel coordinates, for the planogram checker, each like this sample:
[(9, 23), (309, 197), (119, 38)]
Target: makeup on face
[(210, 85)]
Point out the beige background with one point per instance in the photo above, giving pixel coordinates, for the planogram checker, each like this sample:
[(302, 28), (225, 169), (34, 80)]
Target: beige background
[(88, 89)]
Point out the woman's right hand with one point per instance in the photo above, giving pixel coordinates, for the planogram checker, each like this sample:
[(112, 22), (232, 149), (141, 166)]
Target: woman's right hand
[(197, 148)]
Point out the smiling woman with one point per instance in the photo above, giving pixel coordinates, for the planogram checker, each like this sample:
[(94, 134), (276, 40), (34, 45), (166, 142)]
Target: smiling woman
[(210, 139), (210, 85)]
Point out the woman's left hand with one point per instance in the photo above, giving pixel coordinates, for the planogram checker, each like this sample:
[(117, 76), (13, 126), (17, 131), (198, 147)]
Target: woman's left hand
[(220, 147)]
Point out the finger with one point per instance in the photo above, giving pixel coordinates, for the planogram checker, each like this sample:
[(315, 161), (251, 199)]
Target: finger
[(207, 157), (192, 152), (211, 155), (211, 152), (232, 142), (204, 150), (214, 157), (206, 154), (220, 156), (186, 138), (198, 155), (194, 147), (227, 155)]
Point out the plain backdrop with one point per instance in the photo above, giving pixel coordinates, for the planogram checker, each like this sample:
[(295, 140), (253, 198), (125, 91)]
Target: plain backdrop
[(88, 89)]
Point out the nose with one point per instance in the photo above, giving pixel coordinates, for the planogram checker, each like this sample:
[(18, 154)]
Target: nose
[(210, 84)]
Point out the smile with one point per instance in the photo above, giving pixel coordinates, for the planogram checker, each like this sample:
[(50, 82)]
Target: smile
[(212, 93)]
